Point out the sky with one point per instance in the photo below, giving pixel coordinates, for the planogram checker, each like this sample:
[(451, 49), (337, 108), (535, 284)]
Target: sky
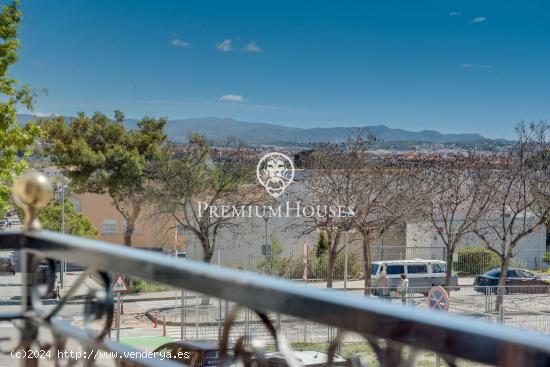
[(451, 66)]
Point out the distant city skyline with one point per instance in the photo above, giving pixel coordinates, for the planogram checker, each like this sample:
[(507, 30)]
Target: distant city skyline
[(453, 67)]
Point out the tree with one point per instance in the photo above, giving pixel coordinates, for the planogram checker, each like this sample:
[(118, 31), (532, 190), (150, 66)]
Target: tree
[(100, 156), (275, 264), (191, 183), (332, 182), (385, 198), (515, 187), (76, 224), (455, 197), (13, 139), (322, 244)]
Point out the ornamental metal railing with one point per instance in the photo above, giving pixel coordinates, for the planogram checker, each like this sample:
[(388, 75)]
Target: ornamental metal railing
[(388, 328)]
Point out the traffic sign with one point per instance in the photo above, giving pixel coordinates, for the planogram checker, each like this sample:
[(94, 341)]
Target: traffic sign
[(438, 299), (120, 285)]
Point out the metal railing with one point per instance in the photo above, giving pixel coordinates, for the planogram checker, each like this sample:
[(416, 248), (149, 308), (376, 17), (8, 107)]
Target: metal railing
[(388, 328)]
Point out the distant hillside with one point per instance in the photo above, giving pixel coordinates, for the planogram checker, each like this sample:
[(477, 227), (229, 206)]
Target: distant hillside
[(256, 133)]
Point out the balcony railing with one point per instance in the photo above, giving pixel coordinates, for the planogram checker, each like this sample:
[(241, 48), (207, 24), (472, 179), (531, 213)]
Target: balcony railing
[(387, 327)]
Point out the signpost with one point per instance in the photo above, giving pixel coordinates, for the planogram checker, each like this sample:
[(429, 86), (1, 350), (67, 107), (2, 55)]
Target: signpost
[(438, 299), (119, 286)]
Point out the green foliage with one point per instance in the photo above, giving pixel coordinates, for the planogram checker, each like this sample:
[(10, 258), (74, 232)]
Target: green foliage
[(277, 265), (318, 266), (143, 286), (99, 155), (15, 141), (293, 268), (76, 224), (475, 260), (322, 244), (546, 258)]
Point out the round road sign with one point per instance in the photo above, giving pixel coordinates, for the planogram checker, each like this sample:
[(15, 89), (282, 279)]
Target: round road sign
[(438, 299)]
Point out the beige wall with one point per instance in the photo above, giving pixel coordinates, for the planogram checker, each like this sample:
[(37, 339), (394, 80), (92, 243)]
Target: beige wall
[(153, 231)]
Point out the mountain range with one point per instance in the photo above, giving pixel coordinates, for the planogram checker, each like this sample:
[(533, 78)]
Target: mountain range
[(258, 133)]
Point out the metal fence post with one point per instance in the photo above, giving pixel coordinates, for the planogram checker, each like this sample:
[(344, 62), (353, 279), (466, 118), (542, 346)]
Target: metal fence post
[(501, 314), (411, 357), (182, 315), (196, 316)]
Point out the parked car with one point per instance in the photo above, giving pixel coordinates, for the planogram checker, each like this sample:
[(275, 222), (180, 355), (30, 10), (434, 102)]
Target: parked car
[(178, 255), (194, 353), (3, 224), (7, 265), (517, 281), (306, 358), (422, 274)]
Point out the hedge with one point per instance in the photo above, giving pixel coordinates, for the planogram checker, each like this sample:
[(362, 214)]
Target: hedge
[(475, 261)]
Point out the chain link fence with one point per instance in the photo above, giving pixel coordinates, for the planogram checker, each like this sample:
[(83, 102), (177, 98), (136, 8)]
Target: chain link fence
[(291, 264)]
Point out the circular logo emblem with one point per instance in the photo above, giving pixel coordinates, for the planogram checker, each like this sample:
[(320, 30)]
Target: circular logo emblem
[(275, 172)]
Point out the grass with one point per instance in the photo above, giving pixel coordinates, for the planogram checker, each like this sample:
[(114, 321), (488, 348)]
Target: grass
[(149, 343), (143, 286)]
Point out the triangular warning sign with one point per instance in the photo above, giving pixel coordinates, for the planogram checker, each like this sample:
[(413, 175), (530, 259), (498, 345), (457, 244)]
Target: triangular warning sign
[(120, 285)]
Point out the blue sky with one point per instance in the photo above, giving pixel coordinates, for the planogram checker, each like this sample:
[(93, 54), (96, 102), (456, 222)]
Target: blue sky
[(452, 66)]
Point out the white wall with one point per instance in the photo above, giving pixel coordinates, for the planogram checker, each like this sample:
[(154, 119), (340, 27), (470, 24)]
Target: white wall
[(530, 249)]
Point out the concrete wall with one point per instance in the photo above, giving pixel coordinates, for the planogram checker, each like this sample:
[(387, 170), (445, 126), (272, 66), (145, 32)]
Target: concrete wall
[(530, 249)]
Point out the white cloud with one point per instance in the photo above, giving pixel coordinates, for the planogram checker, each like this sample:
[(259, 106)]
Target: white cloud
[(252, 47), (476, 66), (178, 42), (454, 13), (478, 20), (225, 46), (232, 98)]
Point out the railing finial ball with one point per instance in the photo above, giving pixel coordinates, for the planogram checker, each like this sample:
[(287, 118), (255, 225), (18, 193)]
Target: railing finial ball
[(31, 192)]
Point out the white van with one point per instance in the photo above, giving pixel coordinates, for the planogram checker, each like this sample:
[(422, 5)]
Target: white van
[(422, 274)]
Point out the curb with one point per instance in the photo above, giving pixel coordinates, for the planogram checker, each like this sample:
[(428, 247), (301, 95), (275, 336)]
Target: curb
[(149, 315)]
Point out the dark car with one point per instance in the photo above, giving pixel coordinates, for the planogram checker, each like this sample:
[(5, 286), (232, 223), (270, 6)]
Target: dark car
[(7, 265), (517, 281), (306, 359), (194, 353)]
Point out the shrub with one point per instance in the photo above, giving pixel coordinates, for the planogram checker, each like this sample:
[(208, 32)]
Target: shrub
[(546, 258), (475, 260), (143, 286)]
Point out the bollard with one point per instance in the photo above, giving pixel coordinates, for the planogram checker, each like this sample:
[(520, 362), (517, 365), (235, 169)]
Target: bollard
[(163, 325), (155, 320)]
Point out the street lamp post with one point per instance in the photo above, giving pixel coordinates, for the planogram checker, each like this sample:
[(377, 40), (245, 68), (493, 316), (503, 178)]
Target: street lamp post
[(62, 264), (266, 218), (347, 227), (346, 239)]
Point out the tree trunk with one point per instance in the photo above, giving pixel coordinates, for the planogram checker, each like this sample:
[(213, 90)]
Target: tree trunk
[(367, 266), (207, 254), (129, 232), (505, 263), (449, 272), (332, 253), (330, 272)]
